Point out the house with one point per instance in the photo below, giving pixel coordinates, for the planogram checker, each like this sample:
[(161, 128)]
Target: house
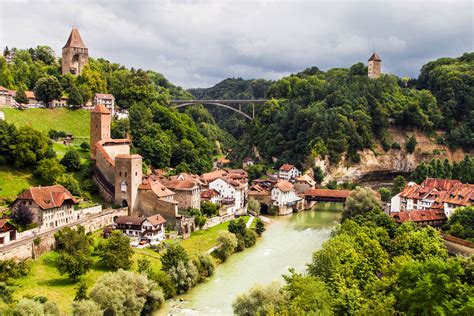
[(288, 172), (151, 229), (247, 162), (108, 100), (232, 193), (284, 198), (6, 98), (7, 232), (222, 162), (187, 189), (59, 103), (52, 206), (434, 218), (210, 196), (458, 196), (304, 183)]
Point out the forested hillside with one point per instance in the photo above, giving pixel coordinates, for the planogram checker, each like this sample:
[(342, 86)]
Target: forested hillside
[(341, 111), (171, 139)]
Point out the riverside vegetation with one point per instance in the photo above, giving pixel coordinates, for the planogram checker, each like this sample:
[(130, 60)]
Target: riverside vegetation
[(372, 266)]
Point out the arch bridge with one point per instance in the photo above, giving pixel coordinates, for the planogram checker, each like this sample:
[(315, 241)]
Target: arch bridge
[(234, 105)]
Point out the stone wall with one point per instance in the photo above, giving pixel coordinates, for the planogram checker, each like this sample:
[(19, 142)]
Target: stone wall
[(149, 204), (106, 167)]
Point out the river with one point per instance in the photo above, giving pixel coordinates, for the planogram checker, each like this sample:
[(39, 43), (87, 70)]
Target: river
[(288, 242)]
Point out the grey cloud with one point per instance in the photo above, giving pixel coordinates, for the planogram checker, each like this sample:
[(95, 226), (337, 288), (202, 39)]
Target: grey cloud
[(198, 43)]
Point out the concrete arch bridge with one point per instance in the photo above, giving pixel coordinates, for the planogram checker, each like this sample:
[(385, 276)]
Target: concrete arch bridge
[(234, 105)]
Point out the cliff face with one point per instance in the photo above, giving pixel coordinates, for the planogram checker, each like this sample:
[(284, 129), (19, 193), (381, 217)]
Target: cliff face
[(378, 165)]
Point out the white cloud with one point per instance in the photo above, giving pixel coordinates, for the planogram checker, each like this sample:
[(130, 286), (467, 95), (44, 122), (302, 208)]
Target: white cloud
[(198, 43)]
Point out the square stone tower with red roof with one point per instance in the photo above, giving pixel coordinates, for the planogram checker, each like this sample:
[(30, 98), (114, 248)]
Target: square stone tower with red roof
[(374, 66), (75, 54), (100, 127)]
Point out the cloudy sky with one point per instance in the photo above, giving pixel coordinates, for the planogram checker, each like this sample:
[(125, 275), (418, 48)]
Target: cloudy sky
[(196, 43)]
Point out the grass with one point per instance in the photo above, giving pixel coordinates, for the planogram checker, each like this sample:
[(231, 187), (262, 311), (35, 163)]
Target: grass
[(13, 181), (75, 122), (45, 280)]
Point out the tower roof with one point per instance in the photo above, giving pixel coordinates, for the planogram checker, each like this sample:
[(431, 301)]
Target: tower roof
[(100, 108), (375, 57), (75, 39)]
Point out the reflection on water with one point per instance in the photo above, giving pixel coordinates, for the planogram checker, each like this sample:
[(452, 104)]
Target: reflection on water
[(288, 242)]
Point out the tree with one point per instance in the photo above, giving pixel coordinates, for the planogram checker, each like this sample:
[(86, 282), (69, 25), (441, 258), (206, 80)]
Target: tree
[(22, 215), (360, 201), (85, 146), (29, 146), (28, 307), (205, 266), (227, 245), (209, 209), (49, 170), (144, 266), (81, 291), (254, 205), (385, 194), (71, 160), (68, 181), (259, 226), (173, 256), (398, 184), (126, 293), (260, 300), (20, 96), (461, 223), (74, 265), (47, 89), (86, 308), (115, 253), (74, 257), (185, 275), (318, 174), (411, 144), (75, 96)]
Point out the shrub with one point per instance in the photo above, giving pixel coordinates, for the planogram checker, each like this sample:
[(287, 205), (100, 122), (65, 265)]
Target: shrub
[(86, 308), (260, 300), (227, 245), (259, 226), (173, 256), (396, 146), (71, 160), (68, 181), (205, 266), (22, 215), (164, 281), (250, 238), (48, 171), (85, 146), (209, 209), (385, 194), (411, 144), (185, 275)]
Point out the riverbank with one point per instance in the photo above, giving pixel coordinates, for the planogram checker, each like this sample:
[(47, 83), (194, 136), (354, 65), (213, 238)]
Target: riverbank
[(45, 280), (289, 241)]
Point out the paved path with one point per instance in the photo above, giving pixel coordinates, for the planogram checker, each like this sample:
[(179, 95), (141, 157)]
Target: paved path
[(250, 221)]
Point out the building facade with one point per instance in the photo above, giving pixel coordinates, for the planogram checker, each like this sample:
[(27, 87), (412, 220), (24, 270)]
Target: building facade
[(374, 67), (108, 100), (288, 172)]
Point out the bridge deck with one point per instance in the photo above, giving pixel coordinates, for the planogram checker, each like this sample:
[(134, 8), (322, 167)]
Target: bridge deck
[(324, 195), (242, 101)]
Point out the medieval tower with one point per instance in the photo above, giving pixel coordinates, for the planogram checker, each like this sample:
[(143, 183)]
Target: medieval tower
[(128, 177), (100, 126), (75, 54), (374, 67)]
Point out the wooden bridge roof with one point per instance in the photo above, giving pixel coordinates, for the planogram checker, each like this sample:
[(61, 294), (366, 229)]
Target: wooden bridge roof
[(343, 194)]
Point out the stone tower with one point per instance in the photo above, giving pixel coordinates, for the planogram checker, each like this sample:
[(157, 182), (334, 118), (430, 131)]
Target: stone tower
[(75, 54), (100, 126), (374, 67), (128, 177)]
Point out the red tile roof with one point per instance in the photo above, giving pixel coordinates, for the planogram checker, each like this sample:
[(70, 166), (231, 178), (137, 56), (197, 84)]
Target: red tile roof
[(105, 96), (48, 197), (156, 219), (75, 39), (284, 186), (208, 194), (460, 194), (100, 108), (440, 184), (327, 193), (286, 167), (130, 220), (419, 216)]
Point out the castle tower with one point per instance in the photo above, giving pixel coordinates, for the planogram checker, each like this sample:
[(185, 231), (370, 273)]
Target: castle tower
[(374, 67), (75, 54), (100, 126), (128, 176)]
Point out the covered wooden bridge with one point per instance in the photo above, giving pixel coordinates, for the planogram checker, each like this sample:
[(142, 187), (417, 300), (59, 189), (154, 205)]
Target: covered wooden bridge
[(326, 195)]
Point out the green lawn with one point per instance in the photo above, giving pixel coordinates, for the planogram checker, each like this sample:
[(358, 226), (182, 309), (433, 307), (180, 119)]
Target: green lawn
[(75, 122), (14, 181), (45, 280)]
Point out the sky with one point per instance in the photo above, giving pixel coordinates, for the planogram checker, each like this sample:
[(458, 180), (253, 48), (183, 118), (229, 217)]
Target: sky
[(197, 43)]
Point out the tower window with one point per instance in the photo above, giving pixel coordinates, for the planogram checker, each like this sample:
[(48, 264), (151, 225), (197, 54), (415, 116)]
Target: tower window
[(123, 186), (125, 174), (136, 173)]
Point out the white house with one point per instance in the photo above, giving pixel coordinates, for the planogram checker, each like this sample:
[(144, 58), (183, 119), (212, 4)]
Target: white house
[(231, 192), (288, 172), (106, 99), (151, 229), (52, 206), (283, 196)]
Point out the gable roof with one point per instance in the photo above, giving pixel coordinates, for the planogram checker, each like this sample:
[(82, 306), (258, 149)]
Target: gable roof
[(100, 108), (419, 216), (440, 184), (75, 39), (306, 178), (105, 96), (156, 219), (130, 220), (286, 167), (208, 194), (375, 57), (284, 186), (48, 197)]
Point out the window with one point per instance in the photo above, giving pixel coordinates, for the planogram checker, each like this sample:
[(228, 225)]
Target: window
[(123, 186)]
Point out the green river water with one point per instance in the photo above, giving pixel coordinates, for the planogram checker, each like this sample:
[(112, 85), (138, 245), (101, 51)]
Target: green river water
[(288, 242)]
